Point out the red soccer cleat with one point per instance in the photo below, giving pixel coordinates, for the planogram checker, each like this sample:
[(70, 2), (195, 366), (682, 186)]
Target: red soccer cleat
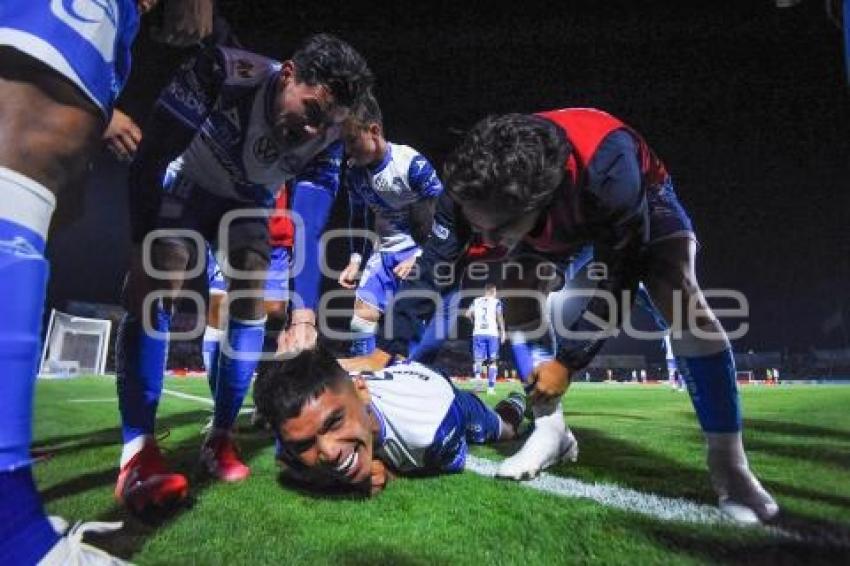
[(220, 457), (145, 483)]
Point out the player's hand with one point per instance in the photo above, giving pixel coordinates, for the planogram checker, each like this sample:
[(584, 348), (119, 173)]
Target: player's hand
[(122, 136), (349, 276), (403, 269), (301, 334), (548, 381), (380, 478), (185, 23), (375, 361)]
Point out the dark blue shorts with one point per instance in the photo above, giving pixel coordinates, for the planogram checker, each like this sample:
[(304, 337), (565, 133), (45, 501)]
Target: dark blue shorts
[(667, 216)]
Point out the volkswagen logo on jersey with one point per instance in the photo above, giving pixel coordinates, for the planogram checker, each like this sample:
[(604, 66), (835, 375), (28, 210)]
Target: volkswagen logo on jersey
[(265, 150)]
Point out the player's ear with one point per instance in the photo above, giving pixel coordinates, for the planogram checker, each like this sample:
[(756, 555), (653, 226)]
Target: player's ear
[(361, 390), (375, 129)]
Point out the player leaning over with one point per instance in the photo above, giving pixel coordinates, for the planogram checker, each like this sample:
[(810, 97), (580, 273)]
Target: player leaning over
[(582, 176), (224, 134), (488, 334), (359, 431), (399, 186)]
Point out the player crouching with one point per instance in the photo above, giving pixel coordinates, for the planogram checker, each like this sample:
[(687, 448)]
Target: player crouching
[(360, 431)]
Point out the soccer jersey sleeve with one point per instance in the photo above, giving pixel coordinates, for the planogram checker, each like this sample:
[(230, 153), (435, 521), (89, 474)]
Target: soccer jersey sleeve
[(423, 178), (435, 276), (428, 187), (180, 110), (314, 192)]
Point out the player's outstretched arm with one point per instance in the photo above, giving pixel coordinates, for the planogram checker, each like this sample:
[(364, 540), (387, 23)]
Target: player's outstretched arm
[(314, 192)]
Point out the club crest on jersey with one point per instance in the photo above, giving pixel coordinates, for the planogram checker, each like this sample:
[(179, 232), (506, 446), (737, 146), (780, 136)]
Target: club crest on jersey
[(265, 150)]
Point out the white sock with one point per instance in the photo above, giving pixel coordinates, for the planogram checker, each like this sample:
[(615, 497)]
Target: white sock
[(133, 447)]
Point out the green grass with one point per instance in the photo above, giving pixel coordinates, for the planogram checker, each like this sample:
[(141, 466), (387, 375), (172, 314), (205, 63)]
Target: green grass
[(643, 437)]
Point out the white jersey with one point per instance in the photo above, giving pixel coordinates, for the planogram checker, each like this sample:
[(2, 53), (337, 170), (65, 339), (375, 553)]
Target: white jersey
[(484, 315), (234, 153), (402, 179), (412, 404)]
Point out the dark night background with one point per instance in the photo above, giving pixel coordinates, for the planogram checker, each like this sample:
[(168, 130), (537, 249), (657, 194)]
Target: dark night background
[(747, 104)]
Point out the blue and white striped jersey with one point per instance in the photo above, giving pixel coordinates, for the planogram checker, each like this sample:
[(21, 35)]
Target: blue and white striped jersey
[(403, 178)]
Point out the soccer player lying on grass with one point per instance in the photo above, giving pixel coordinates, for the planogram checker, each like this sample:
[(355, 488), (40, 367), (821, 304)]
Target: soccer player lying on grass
[(361, 430)]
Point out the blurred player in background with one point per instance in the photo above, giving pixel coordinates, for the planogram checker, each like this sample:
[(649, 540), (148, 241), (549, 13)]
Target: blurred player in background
[(229, 129), (53, 112), (488, 335), (398, 185), (335, 429)]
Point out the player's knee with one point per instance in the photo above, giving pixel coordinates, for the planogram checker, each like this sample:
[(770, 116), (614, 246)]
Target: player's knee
[(366, 312), (171, 256)]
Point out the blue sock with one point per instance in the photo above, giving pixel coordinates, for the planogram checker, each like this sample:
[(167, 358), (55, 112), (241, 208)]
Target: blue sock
[(212, 347), (492, 369), (234, 373), (25, 534), (476, 369), (140, 361), (713, 389), (363, 339), (523, 360), (363, 344), (426, 349)]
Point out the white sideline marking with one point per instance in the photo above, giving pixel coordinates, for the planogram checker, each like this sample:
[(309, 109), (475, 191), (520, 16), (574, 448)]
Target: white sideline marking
[(204, 400), (610, 495)]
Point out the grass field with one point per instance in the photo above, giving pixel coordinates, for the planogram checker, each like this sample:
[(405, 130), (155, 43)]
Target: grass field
[(640, 437)]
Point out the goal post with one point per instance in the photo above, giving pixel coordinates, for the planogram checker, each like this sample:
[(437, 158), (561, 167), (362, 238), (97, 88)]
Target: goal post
[(74, 345)]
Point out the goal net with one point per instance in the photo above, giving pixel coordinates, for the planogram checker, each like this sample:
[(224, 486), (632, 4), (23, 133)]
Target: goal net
[(74, 345)]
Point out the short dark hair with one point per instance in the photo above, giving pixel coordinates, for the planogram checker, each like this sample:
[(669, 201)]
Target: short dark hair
[(368, 111), (516, 159), (283, 387), (326, 59)]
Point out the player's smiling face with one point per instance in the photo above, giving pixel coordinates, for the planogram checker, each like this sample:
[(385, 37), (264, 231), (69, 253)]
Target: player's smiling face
[(333, 434), (303, 112)]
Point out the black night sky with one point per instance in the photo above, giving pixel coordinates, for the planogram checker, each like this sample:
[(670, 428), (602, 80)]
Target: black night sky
[(747, 104)]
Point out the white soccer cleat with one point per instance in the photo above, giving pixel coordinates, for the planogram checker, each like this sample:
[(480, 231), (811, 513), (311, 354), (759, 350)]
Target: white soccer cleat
[(741, 495), (547, 446), (70, 550)]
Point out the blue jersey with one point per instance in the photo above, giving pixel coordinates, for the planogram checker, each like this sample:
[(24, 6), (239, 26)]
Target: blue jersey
[(227, 96), (403, 178), (86, 41)]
